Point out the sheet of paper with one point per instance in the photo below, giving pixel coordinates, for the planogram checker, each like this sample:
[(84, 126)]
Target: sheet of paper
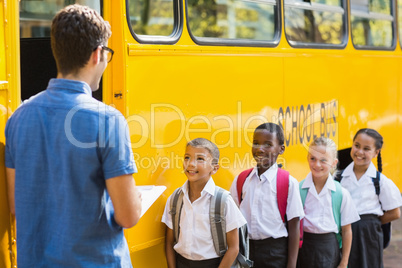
[(149, 194)]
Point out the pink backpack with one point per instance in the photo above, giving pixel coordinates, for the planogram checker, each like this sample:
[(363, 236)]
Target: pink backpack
[(282, 192)]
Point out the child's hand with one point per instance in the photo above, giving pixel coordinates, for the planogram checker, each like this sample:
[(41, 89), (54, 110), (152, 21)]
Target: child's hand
[(343, 265)]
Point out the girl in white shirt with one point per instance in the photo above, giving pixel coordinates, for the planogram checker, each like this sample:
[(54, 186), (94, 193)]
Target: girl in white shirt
[(328, 210), (195, 247), (374, 210)]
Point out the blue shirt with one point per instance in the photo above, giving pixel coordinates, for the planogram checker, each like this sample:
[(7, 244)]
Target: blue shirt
[(63, 145)]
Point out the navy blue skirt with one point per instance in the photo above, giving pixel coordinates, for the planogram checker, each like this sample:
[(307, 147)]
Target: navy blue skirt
[(319, 251), (367, 243)]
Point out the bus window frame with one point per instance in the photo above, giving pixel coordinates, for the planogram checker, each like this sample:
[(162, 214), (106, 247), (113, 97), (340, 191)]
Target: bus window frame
[(342, 45), (212, 41), (160, 39), (394, 29), (399, 36), (51, 20)]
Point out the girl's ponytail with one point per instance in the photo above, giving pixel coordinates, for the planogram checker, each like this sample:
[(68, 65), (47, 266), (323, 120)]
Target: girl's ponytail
[(379, 162)]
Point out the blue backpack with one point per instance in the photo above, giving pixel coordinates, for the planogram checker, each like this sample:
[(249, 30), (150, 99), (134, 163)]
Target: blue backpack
[(336, 206)]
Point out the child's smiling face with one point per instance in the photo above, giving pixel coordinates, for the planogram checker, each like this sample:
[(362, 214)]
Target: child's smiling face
[(198, 165), (266, 149), (363, 150), (320, 161)]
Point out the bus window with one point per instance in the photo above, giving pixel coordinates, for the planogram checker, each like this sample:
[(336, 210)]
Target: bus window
[(372, 24), (233, 21), (37, 62), (36, 16), (400, 21), (315, 22), (153, 18)]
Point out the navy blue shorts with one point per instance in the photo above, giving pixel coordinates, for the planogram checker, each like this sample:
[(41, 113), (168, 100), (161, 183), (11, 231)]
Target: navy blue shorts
[(182, 262), (269, 253)]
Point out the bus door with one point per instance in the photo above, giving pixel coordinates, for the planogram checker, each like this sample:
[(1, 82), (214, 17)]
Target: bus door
[(9, 92), (37, 63)]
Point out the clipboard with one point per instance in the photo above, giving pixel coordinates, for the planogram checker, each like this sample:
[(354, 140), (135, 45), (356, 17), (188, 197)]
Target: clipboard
[(149, 194)]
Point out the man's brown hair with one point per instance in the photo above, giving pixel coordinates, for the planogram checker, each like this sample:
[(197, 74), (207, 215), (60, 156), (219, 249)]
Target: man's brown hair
[(76, 32)]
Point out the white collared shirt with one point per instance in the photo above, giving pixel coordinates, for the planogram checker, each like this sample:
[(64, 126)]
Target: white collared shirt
[(319, 217), (363, 191), (195, 238), (260, 205)]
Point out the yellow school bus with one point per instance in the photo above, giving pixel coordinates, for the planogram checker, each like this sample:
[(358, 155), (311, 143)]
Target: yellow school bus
[(217, 69)]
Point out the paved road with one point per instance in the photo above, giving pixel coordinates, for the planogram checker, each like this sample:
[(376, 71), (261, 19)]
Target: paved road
[(393, 253)]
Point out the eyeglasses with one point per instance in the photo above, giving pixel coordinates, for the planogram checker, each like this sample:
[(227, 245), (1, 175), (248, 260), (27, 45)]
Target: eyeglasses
[(110, 53), (109, 56)]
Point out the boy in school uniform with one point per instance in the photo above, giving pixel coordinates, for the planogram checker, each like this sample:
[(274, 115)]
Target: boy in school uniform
[(272, 243), (195, 245)]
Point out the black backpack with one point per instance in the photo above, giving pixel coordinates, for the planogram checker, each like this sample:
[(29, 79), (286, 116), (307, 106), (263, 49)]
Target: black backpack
[(386, 228)]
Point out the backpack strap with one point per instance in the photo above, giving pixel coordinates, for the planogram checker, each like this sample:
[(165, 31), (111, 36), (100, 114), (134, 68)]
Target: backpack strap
[(303, 195), (336, 197), (176, 204), (386, 228), (240, 182), (303, 192), (338, 177), (242, 256), (217, 212), (376, 182), (282, 191)]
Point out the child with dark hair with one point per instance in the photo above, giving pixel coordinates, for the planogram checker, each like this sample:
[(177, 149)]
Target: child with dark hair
[(375, 206), (274, 240), (193, 244)]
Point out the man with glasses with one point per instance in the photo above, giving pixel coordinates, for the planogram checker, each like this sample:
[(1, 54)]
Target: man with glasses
[(69, 160)]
